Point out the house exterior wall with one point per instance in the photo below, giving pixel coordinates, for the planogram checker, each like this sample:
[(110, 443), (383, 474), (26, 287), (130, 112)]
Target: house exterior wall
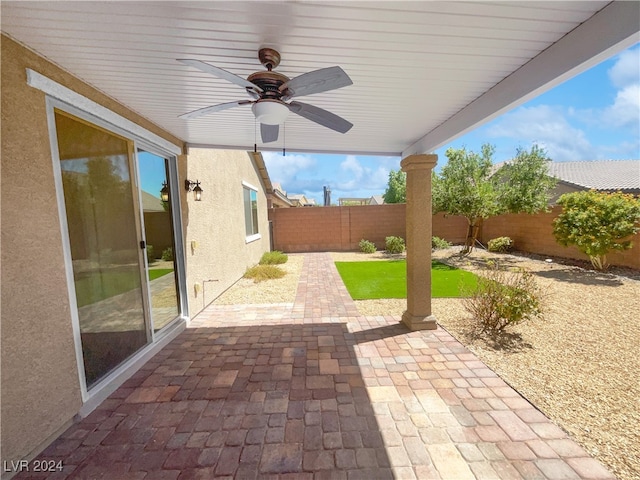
[(342, 228), (40, 385), (216, 224), (560, 189)]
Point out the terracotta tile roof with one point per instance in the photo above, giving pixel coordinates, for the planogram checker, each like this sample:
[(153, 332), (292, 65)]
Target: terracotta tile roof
[(599, 174)]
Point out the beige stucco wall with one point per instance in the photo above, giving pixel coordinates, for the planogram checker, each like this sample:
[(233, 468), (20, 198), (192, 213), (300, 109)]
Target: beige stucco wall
[(40, 385), (216, 224)]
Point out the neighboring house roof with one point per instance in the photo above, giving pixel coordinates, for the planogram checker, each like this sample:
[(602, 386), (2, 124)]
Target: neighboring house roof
[(297, 199), (376, 200), (277, 186), (607, 175), (151, 203), (282, 198)]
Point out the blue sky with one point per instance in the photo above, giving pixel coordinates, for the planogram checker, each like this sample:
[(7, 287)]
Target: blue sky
[(593, 116)]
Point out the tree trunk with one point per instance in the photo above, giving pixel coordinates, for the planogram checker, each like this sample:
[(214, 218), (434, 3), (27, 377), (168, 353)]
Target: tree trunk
[(472, 235)]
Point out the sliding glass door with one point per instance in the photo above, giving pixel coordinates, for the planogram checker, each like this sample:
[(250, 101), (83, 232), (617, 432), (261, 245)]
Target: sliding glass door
[(104, 236), (160, 245), (121, 242)]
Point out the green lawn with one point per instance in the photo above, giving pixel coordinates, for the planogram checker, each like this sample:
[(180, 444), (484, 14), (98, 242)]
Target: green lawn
[(95, 286), (388, 279), (159, 272)]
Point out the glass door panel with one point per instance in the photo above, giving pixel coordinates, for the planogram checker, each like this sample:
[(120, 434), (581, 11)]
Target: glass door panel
[(104, 237), (158, 227)]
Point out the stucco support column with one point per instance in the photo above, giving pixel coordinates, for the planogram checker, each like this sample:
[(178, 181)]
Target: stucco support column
[(418, 168)]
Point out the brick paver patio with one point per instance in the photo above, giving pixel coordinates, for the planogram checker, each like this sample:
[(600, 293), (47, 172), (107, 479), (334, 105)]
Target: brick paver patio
[(312, 390)]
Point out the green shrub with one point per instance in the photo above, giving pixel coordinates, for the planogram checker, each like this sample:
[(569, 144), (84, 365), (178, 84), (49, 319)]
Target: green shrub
[(394, 244), (438, 243), (167, 254), (503, 298), (500, 244), (597, 223), (366, 246), (273, 258), (150, 254), (260, 273)]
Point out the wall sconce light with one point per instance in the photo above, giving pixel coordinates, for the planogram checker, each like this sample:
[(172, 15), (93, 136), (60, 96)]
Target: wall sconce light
[(164, 193), (194, 187)]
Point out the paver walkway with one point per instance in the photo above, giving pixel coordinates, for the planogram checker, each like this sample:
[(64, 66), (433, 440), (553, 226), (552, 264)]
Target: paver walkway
[(312, 390)]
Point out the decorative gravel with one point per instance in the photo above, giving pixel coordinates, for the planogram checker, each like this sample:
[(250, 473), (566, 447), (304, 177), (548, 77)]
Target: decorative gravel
[(280, 290), (579, 364)]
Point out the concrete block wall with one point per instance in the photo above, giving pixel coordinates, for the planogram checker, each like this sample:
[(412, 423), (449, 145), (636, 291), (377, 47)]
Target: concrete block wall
[(341, 228), (306, 229), (534, 234), (450, 227)]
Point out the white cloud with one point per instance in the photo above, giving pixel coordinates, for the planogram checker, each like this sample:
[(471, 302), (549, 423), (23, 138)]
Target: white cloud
[(548, 127), (354, 176), (626, 70), (284, 170), (625, 110), (351, 165), (625, 76)]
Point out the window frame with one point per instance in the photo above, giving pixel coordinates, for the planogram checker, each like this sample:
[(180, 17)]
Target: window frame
[(248, 209)]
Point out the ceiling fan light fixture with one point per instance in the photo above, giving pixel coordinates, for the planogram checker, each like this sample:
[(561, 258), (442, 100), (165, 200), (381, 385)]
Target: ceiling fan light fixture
[(270, 112)]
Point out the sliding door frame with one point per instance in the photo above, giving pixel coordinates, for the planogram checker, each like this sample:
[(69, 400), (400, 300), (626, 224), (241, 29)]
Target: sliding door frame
[(104, 387)]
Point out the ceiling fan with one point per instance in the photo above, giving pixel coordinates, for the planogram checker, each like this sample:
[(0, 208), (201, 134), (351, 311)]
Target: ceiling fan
[(271, 91)]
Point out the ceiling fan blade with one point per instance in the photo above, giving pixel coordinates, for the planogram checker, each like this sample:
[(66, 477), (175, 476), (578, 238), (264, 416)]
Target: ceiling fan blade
[(317, 81), (320, 116), (220, 73), (269, 133), (214, 108)]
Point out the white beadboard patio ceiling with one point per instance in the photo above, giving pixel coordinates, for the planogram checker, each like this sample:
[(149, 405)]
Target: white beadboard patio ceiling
[(423, 72)]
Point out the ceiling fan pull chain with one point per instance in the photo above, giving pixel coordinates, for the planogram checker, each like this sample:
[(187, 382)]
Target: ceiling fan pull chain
[(284, 139)]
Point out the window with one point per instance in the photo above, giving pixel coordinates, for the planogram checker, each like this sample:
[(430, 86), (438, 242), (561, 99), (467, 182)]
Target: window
[(250, 212)]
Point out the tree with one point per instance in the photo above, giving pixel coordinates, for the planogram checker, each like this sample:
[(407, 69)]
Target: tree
[(396, 191), (464, 187), (525, 184), (470, 186), (597, 223)]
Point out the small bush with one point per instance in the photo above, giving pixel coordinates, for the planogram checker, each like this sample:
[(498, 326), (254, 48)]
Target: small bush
[(438, 243), (259, 273), (150, 254), (394, 244), (597, 223), (503, 298), (167, 254), (500, 244), (366, 246), (273, 258)]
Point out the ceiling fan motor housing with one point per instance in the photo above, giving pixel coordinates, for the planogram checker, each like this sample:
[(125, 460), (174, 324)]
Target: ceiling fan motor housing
[(269, 82)]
